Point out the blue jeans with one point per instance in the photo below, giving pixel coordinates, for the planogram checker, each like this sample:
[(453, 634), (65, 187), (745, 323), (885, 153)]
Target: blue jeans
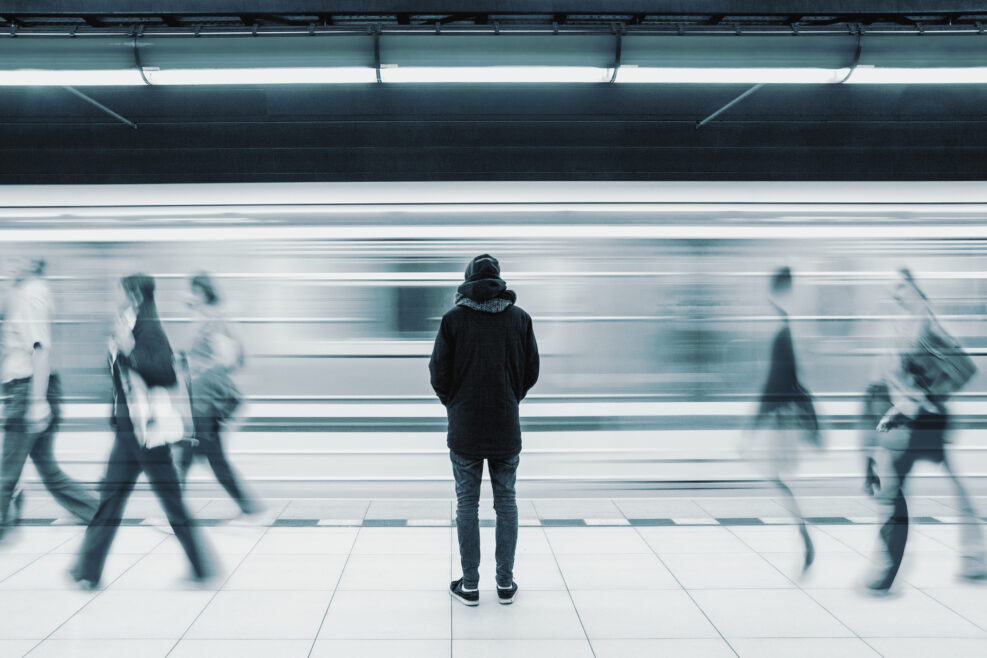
[(468, 472)]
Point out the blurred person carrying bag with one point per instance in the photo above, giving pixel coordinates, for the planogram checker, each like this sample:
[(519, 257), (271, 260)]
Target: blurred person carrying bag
[(160, 415), (214, 394)]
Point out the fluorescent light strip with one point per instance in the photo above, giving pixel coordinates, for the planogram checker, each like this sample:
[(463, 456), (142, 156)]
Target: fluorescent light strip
[(659, 75), (864, 75), (495, 74), (262, 76), (626, 74), (109, 216)]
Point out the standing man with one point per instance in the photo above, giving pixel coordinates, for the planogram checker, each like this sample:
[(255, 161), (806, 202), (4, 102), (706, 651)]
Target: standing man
[(31, 406), (484, 362)]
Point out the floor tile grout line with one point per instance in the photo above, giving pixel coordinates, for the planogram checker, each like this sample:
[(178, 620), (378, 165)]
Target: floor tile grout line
[(654, 552), (852, 548), (220, 588), (98, 594), (920, 527), (801, 589), (572, 600), (947, 607), (39, 556), (342, 572)]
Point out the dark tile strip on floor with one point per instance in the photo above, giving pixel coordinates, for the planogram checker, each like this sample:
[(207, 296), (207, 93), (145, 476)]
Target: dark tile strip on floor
[(548, 523)]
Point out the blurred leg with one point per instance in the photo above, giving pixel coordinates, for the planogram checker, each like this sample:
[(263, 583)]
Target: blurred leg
[(66, 491), (16, 444), (971, 531), (161, 472), (503, 477), (185, 455), (791, 504), (212, 446), (894, 531), (121, 475), (468, 473)]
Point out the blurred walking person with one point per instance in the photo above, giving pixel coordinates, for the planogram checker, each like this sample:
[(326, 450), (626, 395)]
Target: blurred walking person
[(786, 416), (484, 362), (924, 368), (215, 353), (142, 366), (32, 397)]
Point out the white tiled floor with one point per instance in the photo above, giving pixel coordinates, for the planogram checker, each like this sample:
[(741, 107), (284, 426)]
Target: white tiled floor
[(603, 592)]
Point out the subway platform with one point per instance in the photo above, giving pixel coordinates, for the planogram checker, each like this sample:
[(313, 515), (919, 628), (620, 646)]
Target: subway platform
[(662, 576)]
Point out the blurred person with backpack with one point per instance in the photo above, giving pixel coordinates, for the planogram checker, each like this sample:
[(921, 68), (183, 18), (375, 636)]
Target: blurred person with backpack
[(908, 412), (214, 354)]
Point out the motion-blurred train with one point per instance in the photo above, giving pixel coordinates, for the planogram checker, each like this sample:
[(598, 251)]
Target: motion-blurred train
[(649, 302)]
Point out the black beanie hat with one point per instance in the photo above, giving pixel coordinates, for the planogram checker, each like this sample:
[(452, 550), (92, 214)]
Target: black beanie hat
[(483, 266)]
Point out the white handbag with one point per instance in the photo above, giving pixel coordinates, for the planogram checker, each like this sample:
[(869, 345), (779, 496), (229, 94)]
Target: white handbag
[(153, 412)]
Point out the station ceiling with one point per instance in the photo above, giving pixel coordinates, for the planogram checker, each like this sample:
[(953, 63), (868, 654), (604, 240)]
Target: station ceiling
[(244, 133)]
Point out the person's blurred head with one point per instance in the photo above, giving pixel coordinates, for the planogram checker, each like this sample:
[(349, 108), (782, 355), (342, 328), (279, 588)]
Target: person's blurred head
[(138, 289), (907, 293), (781, 283), (203, 291), (22, 267)]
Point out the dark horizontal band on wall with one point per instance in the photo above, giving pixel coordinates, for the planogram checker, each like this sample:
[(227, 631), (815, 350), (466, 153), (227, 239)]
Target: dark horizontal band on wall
[(540, 133)]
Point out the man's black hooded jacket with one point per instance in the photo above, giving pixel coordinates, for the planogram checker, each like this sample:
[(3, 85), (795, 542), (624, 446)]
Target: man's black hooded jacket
[(484, 362)]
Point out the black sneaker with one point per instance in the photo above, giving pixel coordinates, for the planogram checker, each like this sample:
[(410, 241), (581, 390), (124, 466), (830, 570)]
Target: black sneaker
[(506, 595), (464, 597)]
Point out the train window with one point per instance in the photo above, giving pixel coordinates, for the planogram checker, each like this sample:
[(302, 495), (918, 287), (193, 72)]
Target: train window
[(416, 307)]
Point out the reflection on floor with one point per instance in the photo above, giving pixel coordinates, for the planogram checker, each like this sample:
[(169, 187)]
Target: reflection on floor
[(369, 578)]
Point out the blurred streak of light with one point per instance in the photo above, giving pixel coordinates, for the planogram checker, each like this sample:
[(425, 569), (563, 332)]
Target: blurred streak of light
[(581, 409), (497, 231), (208, 213), (875, 276)]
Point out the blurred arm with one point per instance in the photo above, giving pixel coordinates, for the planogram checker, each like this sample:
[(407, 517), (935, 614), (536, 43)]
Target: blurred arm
[(39, 325), (532, 360), (440, 365), (906, 399)]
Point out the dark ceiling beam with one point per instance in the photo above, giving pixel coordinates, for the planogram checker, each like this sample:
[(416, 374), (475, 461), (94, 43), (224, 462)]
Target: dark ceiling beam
[(870, 19), (442, 7)]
